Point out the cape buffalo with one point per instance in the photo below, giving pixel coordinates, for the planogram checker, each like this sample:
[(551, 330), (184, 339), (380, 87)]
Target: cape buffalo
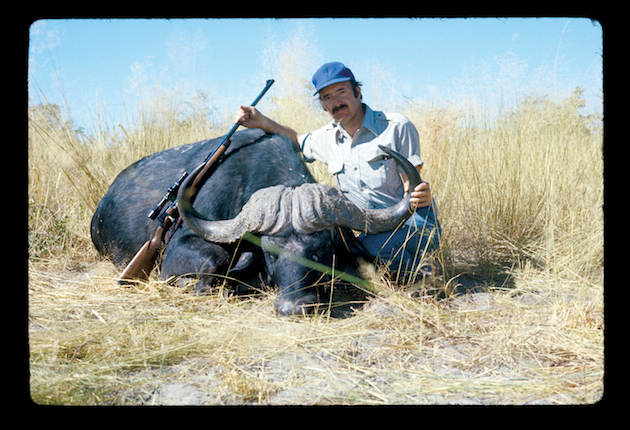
[(262, 189)]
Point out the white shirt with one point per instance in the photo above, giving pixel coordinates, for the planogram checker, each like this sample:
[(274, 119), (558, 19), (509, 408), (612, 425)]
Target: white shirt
[(363, 174)]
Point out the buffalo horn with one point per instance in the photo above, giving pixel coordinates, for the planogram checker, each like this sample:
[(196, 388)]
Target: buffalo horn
[(279, 210)]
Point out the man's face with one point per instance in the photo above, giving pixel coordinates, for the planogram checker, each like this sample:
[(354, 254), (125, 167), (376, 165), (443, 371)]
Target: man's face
[(339, 101)]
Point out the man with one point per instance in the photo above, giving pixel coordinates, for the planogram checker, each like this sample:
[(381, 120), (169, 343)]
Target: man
[(349, 146)]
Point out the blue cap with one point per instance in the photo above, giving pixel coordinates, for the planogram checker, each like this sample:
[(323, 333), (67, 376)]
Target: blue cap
[(331, 73)]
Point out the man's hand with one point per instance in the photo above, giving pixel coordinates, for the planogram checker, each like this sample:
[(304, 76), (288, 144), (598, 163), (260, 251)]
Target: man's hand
[(421, 196), (251, 118)]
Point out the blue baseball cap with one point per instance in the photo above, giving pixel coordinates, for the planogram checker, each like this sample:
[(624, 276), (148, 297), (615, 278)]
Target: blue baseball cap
[(331, 73)]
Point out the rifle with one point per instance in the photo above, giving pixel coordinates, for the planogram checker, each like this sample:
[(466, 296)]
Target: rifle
[(140, 266)]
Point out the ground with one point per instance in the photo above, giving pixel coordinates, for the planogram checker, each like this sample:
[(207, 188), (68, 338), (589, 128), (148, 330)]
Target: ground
[(95, 342)]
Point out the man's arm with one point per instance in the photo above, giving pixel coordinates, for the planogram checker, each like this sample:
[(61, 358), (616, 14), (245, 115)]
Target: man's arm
[(250, 117)]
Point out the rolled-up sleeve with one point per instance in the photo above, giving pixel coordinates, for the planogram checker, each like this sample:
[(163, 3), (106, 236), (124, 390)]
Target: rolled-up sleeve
[(408, 141), (315, 146), (307, 149)]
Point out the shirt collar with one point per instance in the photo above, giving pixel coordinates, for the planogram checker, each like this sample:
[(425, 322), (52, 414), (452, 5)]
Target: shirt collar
[(369, 121)]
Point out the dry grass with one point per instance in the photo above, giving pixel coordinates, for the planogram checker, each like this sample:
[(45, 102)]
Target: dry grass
[(93, 342), (526, 186), (520, 197)]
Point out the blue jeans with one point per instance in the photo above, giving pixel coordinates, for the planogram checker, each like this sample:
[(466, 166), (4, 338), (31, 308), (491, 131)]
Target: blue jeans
[(404, 247)]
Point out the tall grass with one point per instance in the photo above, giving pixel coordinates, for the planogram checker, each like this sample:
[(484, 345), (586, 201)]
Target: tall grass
[(523, 186), (71, 168)]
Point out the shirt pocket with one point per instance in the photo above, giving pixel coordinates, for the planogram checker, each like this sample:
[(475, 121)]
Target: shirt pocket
[(384, 174), (336, 168)]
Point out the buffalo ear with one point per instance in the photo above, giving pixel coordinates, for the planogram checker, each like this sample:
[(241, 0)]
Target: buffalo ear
[(244, 261)]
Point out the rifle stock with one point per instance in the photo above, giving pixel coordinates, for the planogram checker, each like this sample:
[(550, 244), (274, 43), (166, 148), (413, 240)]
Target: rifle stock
[(140, 267)]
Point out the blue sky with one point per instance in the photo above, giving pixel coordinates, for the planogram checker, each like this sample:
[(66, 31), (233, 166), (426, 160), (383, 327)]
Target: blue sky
[(104, 63)]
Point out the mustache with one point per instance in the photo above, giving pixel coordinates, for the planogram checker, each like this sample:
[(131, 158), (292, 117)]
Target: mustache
[(339, 107)]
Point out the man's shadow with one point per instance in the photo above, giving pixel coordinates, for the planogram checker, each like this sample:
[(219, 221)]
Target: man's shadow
[(454, 282)]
